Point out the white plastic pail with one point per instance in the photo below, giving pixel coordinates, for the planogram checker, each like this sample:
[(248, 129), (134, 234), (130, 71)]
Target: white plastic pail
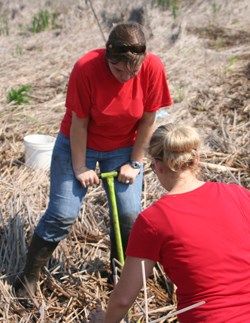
[(38, 151)]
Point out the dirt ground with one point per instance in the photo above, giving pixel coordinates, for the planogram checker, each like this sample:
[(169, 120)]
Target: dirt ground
[(205, 47)]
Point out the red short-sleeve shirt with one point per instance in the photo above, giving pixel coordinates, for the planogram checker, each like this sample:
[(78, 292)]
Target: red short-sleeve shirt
[(114, 108), (202, 239)]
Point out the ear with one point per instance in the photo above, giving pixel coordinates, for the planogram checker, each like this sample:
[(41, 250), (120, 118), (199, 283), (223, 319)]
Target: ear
[(159, 166), (197, 159)]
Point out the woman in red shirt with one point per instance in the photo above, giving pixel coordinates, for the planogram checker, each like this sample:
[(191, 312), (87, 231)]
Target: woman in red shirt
[(112, 98), (199, 232)]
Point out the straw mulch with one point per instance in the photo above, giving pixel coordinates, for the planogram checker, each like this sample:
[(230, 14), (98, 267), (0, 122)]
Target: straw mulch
[(206, 53)]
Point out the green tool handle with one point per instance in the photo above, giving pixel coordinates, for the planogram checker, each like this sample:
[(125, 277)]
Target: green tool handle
[(110, 181), (109, 174)]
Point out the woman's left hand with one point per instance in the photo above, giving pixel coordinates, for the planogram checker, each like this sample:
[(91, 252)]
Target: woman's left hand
[(127, 174), (97, 315)]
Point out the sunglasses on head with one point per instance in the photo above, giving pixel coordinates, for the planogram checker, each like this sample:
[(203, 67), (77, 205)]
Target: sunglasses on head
[(122, 49)]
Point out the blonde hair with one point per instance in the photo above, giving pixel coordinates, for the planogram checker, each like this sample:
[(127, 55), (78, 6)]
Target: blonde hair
[(177, 146)]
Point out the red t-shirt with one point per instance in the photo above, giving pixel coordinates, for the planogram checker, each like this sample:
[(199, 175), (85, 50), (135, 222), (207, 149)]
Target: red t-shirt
[(114, 108), (202, 239)]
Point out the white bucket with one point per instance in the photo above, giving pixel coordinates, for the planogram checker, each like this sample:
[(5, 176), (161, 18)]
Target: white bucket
[(38, 151)]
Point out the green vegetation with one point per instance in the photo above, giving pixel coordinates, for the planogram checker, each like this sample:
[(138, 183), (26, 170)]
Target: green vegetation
[(180, 96), (173, 5), (220, 43), (232, 63), (178, 92), (4, 25), (18, 51), (43, 20), (215, 8), (19, 95)]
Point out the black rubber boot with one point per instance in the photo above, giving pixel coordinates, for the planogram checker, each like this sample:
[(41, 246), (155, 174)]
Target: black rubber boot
[(39, 253)]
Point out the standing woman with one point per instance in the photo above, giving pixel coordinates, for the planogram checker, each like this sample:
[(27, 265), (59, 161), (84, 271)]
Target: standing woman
[(112, 98), (199, 232)]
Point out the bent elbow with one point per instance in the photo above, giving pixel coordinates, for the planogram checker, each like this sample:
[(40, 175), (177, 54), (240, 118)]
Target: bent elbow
[(122, 301), (125, 302)]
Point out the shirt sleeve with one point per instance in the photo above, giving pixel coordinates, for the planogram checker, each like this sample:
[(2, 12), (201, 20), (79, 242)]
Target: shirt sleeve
[(244, 198), (158, 94), (143, 241), (78, 98)]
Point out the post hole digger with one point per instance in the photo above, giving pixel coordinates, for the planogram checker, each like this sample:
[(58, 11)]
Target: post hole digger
[(109, 177)]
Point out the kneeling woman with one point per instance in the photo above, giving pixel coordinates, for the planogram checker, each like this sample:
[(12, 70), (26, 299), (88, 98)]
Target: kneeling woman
[(200, 233)]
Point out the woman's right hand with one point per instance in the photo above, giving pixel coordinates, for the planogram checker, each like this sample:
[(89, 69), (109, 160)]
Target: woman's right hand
[(87, 177)]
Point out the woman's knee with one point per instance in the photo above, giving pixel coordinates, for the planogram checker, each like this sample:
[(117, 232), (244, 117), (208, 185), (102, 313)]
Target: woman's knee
[(55, 227), (126, 222)]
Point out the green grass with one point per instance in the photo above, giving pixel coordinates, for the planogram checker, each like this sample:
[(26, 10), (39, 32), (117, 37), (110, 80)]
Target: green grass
[(173, 5), (4, 25), (18, 51), (180, 94), (215, 8), (19, 95), (43, 20), (232, 61)]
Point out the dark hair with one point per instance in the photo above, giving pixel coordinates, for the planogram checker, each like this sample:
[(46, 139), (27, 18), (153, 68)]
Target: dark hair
[(126, 43)]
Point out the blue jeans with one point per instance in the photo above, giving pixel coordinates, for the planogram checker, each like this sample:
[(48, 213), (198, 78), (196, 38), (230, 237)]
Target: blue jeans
[(67, 194)]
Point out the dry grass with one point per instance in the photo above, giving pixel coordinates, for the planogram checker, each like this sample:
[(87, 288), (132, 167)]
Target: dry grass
[(206, 53)]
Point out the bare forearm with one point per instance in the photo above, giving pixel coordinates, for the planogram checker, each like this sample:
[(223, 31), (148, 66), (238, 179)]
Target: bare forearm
[(144, 133), (78, 142), (127, 289), (125, 292), (115, 311)]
